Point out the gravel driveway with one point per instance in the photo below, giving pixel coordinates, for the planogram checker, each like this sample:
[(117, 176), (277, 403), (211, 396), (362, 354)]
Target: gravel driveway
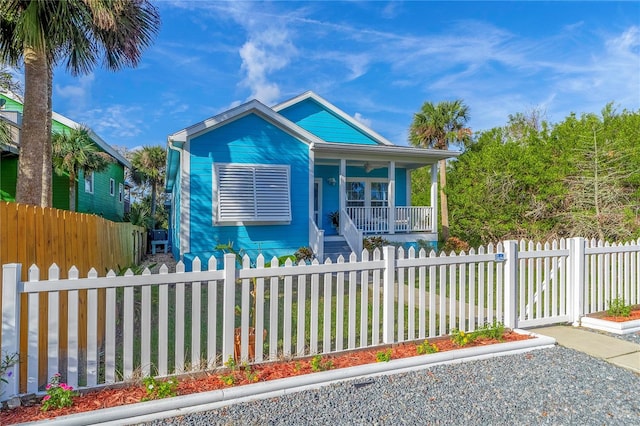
[(556, 386)]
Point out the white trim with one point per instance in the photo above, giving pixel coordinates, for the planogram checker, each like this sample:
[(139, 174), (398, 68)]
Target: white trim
[(252, 107), (313, 210), (342, 192), (312, 180), (185, 200), (112, 187), (391, 196), (120, 192), (434, 197), (367, 189), (419, 156), (311, 95), (91, 178), (408, 188)]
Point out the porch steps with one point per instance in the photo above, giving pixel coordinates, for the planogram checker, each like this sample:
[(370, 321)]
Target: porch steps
[(334, 248)]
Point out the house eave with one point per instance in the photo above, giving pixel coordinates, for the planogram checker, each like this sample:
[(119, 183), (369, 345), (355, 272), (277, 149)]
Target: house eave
[(405, 154)]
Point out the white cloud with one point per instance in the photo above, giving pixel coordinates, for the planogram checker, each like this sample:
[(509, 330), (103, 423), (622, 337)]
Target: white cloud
[(78, 94), (114, 123), (361, 119)]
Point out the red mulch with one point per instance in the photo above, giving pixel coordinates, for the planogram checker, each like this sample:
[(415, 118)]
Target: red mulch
[(635, 315), (212, 380)]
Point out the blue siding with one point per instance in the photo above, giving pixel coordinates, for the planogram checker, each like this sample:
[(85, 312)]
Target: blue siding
[(249, 140), (314, 118)]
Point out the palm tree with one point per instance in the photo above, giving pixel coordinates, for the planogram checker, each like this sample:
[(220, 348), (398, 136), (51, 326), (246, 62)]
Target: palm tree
[(436, 126), (39, 34), (75, 152), (149, 164)]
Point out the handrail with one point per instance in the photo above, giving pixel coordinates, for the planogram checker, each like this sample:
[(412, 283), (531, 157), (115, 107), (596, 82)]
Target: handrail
[(316, 240), (351, 233)]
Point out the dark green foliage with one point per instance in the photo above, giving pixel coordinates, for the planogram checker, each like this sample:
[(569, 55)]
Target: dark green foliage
[(538, 181)]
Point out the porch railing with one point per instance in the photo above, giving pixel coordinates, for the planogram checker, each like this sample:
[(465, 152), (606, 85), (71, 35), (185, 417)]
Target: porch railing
[(375, 220)]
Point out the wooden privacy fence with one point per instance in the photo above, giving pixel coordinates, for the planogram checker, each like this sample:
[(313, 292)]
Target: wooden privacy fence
[(42, 236), (160, 324)]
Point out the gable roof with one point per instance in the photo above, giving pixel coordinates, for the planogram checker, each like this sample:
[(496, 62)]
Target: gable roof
[(251, 107), (383, 149), (74, 125), (176, 141), (309, 95)]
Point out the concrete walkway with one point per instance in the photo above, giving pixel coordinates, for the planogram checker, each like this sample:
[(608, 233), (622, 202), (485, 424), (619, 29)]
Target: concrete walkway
[(615, 351)]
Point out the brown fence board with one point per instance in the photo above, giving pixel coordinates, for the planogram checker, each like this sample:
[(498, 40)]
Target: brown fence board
[(42, 236)]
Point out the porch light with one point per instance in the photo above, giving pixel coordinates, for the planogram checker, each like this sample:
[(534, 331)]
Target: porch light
[(331, 181)]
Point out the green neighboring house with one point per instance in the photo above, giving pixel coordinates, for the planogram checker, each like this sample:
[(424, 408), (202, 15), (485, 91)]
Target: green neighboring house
[(104, 193)]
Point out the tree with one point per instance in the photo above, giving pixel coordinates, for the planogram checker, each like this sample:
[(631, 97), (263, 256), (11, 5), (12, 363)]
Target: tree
[(149, 164), (40, 34), (437, 126), (75, 152)]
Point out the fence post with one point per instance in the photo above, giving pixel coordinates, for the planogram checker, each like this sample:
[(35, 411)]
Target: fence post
[(576, 293), (10, 345), (388, 294), (511, 284), (228, 306)]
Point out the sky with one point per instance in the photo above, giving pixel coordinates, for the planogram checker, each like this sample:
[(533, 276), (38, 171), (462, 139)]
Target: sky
[(377, 61)]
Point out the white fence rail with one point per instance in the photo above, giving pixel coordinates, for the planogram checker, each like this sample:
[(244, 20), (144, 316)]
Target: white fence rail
[(161, 324)]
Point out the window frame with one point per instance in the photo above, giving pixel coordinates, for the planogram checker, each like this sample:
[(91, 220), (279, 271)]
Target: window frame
[(251, 202), (89, 179), (120, 192), (112, 187)]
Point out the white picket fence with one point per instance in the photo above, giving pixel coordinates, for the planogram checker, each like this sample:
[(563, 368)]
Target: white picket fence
[(161, 324)]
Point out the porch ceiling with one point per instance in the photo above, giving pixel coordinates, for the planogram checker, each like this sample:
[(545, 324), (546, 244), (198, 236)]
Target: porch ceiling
[(408, 156)]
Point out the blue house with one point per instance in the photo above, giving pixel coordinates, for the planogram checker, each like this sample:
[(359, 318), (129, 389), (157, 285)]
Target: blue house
[(300, 174)]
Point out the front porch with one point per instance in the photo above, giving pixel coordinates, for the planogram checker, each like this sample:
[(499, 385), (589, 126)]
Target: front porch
[(388, 220)]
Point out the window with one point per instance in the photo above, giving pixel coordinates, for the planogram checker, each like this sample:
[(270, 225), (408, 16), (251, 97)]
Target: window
[(252, 193), (112, 187), (367, 193), (88, 182), (120, 192)]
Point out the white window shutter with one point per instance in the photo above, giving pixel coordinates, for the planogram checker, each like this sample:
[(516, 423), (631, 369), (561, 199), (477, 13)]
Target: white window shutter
[(258, 193), (272, 193)]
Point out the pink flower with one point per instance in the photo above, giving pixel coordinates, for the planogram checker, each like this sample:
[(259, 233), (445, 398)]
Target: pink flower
[(66, 387), (46, 397), (48, 386)]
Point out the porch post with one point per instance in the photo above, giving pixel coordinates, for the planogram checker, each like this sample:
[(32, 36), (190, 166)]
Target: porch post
[(342, 189), (434, 197), (391, 198)]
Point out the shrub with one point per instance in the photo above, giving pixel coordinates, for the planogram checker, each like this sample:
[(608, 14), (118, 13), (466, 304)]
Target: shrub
[(304, 253), (455, 244), (372, 243), (618, 308)]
